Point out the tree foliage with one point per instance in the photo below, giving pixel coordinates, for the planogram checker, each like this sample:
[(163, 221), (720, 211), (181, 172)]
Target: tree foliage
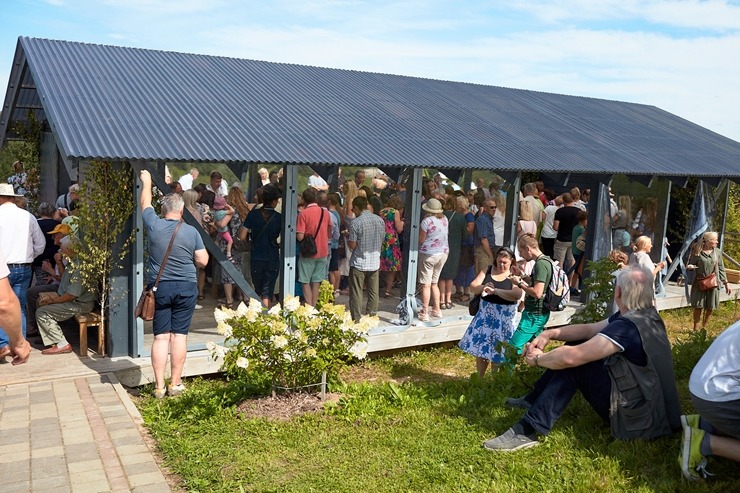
[(105, 205)]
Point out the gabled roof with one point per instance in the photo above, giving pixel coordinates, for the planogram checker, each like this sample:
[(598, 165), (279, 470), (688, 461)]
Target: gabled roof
[(109, 102)]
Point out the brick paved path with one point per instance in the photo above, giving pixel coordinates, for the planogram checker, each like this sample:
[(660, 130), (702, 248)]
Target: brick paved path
[(77, 435)]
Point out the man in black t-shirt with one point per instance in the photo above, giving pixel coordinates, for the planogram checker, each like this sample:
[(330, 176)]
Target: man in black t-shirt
[(623, 367), (566, 218)]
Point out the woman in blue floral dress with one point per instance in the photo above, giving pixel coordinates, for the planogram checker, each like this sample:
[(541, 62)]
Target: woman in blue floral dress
[(390, 250), (494, 322)]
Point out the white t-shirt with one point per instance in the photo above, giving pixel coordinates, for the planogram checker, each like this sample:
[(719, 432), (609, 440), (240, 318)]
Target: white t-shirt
[(317, 182), (716, 377), (186, 181), (547, 229)]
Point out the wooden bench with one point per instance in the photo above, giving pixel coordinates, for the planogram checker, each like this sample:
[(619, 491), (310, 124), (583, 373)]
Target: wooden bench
[(86, 320)]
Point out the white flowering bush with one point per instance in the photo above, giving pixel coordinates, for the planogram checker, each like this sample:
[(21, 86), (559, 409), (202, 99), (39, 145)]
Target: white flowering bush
[(291, 344)]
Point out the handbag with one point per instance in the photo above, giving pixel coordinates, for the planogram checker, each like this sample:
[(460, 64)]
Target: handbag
[(308, 243), (708, 283), (147, 303)]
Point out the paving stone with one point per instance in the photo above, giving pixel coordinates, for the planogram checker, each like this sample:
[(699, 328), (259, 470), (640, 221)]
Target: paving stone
[(90, 476), (20, 454), (12, 447), (44, 425), (46, 441), (84, 465), (49, 482), (141, 468), (16, 470), (132, 449), (77, 438), (81, 452), (160, 487), (96, 487), (19, 487), (129, 440), (129, 431), (128, 459), (18, 435), (42, 397), (145, 478), (48, 452), (119, 418), (15, 405), (48, 467)]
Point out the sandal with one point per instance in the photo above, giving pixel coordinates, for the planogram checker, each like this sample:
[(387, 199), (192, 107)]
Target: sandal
[(423, 316), (387, 294), (436, 314), (201, 297), (465, 297)]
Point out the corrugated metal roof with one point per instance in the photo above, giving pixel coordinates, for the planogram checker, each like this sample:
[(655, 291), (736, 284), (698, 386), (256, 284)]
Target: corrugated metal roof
[(124, 103)]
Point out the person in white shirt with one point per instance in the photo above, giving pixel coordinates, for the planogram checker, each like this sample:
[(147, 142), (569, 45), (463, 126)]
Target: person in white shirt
[(21, 241), (218, 185), (186, 180), (714, 388), (318, 182), (10, 319)]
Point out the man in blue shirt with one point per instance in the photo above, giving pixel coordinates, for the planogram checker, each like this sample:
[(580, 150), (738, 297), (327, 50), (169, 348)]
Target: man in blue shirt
[(485, 238)]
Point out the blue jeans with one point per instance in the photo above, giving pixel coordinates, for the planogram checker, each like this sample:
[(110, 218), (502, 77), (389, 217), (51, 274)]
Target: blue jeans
[(554, 390), (20, 279)]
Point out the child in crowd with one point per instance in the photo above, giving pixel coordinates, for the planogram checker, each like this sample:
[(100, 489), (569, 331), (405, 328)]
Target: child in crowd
[(222, 210)]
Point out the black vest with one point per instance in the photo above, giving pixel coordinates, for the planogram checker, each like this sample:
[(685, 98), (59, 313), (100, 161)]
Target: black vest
[(644, 399)]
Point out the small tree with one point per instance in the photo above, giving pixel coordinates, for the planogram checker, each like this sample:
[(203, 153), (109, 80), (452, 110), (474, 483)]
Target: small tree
[(105, 205)]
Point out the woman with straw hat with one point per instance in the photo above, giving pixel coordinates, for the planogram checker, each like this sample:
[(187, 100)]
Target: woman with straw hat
[(433, 251)]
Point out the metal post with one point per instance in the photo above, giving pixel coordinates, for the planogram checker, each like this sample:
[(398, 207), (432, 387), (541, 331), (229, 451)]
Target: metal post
[(290, 214), (412, 218), (512, 212)]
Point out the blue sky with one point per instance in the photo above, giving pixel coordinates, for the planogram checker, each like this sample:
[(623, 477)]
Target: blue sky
[(680, 56)]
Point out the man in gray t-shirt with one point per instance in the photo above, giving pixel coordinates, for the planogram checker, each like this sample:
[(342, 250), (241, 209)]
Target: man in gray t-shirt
[(177, 290)]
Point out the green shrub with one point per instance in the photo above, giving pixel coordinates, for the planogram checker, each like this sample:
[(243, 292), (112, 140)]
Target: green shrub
[(599, 286), (291, 344)]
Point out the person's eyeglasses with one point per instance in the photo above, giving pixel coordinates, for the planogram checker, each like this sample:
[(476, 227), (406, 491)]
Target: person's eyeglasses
[(493, 208)]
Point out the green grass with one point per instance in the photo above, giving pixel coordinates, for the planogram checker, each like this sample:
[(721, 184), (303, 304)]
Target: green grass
[(415, 422)]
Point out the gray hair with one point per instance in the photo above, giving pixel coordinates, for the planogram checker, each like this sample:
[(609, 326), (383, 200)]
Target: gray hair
[(45, 209), (68, 243), (637, 286), (172, 202), (74, 188)]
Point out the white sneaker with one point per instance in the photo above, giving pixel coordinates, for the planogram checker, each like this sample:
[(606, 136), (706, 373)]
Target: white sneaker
[(198, 307), (175, 390)]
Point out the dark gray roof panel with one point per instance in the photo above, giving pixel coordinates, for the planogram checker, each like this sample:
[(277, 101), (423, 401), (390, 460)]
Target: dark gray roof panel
[(125, 103)]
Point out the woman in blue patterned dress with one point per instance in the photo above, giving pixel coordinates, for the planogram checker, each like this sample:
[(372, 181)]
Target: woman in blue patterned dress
[(494, 322)]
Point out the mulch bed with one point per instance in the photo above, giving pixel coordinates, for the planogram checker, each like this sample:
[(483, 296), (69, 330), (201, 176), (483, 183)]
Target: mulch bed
[(283, 407)]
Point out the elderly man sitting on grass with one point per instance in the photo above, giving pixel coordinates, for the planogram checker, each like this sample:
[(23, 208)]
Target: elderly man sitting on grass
[(623, 367)]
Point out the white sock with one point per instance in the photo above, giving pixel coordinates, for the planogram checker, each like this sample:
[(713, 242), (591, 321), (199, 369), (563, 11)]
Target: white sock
[(62, 343)]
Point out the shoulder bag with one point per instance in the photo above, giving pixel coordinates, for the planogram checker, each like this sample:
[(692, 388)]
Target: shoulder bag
[(146, 305), (308, 243), (708, 283)]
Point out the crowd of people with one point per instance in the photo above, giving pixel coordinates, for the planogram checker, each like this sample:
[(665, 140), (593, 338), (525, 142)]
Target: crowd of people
[(622, 365)]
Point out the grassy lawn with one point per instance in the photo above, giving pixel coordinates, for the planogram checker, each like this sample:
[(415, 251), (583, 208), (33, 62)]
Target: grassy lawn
[(415, 422)]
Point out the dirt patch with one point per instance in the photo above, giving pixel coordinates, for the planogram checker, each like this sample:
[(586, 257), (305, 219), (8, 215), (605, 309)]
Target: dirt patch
[(283, 407)]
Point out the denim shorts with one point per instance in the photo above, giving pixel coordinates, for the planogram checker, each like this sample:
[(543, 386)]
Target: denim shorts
[(175, 303)]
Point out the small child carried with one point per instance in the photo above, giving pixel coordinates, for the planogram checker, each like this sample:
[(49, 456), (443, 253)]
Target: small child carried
[(222, 210)]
